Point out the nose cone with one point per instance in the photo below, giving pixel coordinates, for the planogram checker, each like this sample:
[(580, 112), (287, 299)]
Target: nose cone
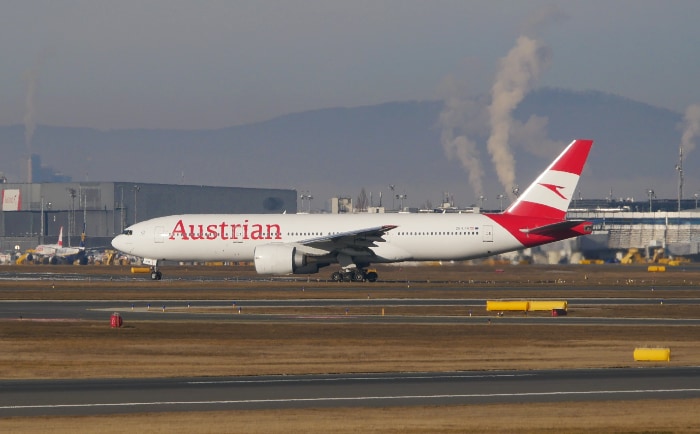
[(120, 243)]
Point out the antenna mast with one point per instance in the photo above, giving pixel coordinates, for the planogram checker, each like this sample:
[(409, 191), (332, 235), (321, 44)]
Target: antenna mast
[(679, 168)]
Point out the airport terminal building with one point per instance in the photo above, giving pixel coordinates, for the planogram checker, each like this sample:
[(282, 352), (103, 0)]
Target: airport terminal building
[(33, 213)]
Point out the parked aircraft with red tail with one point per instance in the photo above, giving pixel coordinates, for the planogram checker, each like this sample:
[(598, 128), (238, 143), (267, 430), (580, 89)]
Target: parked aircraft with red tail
[(57, 253)]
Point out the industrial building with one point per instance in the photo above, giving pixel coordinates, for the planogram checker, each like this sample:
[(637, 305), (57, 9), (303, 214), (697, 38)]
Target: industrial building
[(33, 213), (621, 231)]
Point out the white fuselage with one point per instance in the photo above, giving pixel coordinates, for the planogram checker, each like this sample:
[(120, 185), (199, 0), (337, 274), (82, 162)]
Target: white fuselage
[(234, 237), (55, 250)]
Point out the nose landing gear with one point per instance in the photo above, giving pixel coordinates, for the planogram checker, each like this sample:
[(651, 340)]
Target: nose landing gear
[(156, 274)]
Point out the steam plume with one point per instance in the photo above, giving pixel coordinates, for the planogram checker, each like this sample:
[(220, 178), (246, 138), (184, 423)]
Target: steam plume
[(517, 74), (455, 120), (691, 128), (532, 135), (465, 150)]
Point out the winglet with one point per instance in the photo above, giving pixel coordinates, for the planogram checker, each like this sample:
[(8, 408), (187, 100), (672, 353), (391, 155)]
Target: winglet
[(550, 195)]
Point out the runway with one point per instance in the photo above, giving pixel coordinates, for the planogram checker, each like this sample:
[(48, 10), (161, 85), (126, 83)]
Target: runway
[(91, 397), (225, 310)]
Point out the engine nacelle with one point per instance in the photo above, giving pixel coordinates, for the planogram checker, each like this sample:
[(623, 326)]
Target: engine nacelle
[(282, 259)]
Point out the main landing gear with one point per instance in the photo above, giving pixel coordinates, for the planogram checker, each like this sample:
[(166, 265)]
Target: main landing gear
[(355, 275)]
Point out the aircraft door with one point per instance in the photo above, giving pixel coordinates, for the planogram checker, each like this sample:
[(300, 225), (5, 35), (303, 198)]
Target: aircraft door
[(487, 231), (159, 234)]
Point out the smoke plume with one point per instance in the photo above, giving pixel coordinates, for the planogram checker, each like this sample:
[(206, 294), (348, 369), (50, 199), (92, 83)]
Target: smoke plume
[(517, 74), (465, 150), (533, 137), (691, 127), (460, 115)]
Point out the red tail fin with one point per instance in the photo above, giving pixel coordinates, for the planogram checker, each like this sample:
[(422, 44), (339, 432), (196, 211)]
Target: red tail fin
[(550, 195)]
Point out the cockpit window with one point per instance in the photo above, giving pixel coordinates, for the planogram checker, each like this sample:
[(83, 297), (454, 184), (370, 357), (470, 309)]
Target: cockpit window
[(127, 232)]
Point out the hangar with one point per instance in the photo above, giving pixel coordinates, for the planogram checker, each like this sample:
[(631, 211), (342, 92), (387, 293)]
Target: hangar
[(33, 213)]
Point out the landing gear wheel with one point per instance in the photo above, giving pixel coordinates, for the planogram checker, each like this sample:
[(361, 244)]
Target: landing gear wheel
[(156, 275), (372, 276), (337, 277), (357, 276)]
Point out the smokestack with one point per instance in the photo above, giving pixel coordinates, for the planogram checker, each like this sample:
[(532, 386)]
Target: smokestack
[(29, 118), (30, 79)]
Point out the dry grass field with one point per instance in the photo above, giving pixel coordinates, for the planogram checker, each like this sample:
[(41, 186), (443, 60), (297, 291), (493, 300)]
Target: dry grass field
[(169, 347), (88, 349)]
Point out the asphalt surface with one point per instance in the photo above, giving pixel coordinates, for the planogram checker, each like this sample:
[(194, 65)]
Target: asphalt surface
[(91, 397), (228, 310), (115, 396)]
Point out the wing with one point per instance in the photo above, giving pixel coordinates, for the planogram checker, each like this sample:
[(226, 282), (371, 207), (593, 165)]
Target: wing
[(354, 243)]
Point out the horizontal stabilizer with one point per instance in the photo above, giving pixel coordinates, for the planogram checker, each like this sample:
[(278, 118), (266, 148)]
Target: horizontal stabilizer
[(558, 227)]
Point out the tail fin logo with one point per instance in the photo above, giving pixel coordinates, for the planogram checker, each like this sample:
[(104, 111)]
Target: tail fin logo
[(560, 178), (555, 189)]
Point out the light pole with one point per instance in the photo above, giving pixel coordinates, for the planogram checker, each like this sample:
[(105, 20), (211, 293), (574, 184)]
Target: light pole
[(122, 217), (482, 199), (71, 218), (308, 198), (49, 205), (393, 205), (500, 200), (401, 197), (41, 238), (696, 200), (136, 189), (679, 168), (82, 234), (516, 190), (652, 195)]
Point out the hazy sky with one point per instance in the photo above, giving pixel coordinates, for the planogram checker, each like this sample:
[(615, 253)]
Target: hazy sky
[(207, 64)]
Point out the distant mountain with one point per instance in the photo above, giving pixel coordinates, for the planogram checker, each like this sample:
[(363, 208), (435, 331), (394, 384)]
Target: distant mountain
[(339, 151)]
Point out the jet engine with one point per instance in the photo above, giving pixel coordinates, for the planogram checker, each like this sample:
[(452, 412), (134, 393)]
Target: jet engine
[(282, 259)]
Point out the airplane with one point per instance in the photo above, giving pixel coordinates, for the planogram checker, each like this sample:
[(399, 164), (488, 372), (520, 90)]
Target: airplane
[(55, 253), (281, 244)]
